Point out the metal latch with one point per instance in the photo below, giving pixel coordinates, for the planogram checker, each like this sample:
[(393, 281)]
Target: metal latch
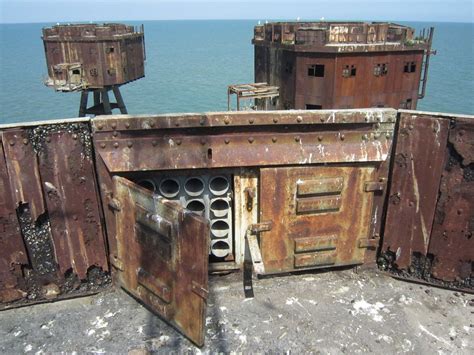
[(253, 247), (373, 186)]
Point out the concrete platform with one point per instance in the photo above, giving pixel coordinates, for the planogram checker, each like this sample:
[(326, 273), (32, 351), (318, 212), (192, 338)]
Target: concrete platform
[(333, 312)]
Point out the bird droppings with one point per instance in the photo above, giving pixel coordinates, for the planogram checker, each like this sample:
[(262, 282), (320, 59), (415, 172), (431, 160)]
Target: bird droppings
[(332, 314)]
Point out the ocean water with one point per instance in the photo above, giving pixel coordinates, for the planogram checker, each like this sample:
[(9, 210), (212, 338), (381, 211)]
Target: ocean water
[(190, 63)]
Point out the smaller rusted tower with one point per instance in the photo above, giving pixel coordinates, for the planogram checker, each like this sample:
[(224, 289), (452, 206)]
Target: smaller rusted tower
[(94, 58)]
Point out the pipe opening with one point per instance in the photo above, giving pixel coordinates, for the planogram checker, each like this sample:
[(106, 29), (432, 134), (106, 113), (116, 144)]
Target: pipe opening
[(147, 184), (220, 229), (220, 207), (220, 249), (197, 206), (169, 188), (194, 186), (219, 185)]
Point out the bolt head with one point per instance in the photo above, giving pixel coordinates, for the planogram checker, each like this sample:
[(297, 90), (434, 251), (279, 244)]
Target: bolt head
[(297, 138), (275, 120), (226, 120), (251, 121), (102, 145), (251, 139), (274, 139), (320, 138), (299, 119), (116, 145), (129, 144), (154, 143), (227, 141)]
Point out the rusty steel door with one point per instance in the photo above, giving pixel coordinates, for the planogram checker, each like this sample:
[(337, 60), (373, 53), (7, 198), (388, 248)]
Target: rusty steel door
[(162, 256), (321, 216)]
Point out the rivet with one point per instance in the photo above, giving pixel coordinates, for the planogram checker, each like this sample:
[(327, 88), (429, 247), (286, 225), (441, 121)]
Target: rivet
[(410, 127), (251, 139), (388, 136), (115, 133), (176, 124), (74, 136), (178, 141), (274, 139), (299, 119), (25, 141), (376, 135), (251, 121), (113, 125), (116, 145), (322, 119), (275, 120), (152, 123), (154, 143), (320, 138), (75, 217), (226, 120), (365, 137), (129, 144), (227, 141), (100, 126), (203, 141), (127, 125), (377, 125), (12, 142), (411, 203), (297, 138), (102, 145), (48, 139), (202, 121), (367, 119), (342, 137), (343, 119)]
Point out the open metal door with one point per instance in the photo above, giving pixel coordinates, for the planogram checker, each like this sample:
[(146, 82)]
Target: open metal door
[(162, 256)]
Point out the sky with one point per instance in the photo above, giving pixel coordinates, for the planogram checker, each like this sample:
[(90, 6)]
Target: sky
[(27, 11)]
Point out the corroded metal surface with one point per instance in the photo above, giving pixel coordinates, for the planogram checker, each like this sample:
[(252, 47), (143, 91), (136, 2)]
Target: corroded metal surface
[(162, 257), (23, 171), (417, 168), (69, 181), (429, 224), (85, 56), (342, 65), (451, 244), (250, 139), (317, 227), (55, 244), (12, 250)]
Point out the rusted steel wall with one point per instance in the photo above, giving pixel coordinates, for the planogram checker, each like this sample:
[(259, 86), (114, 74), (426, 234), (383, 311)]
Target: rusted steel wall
[(430, 216), (360, 139), (52, 202)]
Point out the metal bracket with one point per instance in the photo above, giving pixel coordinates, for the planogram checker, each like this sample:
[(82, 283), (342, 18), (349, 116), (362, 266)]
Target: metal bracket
[(372, 186)]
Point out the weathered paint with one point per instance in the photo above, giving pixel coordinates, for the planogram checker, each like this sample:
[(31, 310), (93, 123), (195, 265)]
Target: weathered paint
[(101, 55), (162, 255), (429, 224)]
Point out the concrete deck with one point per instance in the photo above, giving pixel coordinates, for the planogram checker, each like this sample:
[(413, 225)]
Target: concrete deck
[(334, 312)]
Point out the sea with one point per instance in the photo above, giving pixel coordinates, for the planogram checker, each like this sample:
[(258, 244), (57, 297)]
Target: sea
[(190, 64)]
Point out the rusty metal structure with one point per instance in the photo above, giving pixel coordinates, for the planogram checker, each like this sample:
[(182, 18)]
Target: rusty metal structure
[(156, 202), (329, 65), (94, 58), (255, 91)]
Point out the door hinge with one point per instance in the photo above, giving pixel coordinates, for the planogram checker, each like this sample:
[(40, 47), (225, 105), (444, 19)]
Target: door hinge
[(369, 243), (199, 290), (116, 263)]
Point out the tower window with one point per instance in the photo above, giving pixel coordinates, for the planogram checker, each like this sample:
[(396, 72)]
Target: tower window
[(410, 67), (349, 71), (380, 69), (316, 70)]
